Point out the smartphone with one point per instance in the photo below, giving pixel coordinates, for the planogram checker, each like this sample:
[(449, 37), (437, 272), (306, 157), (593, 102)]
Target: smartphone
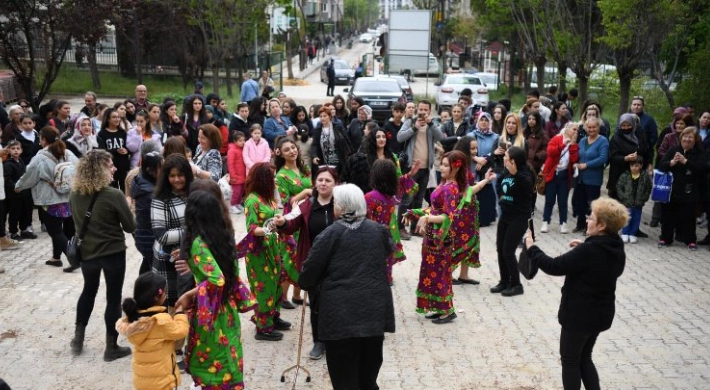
[(531, 227), (422, 116)]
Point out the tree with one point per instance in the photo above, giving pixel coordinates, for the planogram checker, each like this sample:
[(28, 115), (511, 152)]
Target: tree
[(33, 43), (98, 12)]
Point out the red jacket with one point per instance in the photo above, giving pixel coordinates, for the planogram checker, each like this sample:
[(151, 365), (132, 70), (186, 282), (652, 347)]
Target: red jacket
[(554, 152), (224, 132), (235, 165)]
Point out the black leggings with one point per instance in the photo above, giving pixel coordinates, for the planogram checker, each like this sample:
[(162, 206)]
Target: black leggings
[(59, 229), (577, 365), (508, 237), (114, 268)]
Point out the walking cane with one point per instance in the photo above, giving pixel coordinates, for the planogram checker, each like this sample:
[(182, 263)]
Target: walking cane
[(298, 365)]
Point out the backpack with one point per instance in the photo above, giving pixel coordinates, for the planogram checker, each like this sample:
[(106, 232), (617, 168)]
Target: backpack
[(63, 174)]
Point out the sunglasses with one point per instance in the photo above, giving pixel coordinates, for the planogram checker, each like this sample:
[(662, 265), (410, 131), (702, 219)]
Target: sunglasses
[(638, 98)]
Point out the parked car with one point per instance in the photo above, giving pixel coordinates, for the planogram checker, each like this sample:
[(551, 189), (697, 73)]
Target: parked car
[(404, 84), (448, 91), (489, 79), (380, 93), (433, 67), (344, 74), (366, 38)]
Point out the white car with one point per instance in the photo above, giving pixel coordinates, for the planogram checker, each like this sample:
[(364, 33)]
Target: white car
[(489, 79), (365, 38), (433, 67), (448, 91)]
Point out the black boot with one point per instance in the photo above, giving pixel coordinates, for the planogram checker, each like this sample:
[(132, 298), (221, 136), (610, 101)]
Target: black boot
[(77, 343), (113, 350)]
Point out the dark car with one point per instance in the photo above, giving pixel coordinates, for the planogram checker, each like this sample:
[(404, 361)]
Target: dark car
[(344, 74), (404, 84), (380, 93)]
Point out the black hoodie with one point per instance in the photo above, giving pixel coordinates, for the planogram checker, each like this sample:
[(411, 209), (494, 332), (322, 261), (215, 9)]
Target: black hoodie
[(589, 292)]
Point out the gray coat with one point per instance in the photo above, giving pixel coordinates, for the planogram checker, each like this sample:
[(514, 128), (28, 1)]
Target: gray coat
[(39, 175), (408, 132)]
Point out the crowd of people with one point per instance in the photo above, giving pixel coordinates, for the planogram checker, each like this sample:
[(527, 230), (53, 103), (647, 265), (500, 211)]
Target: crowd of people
[(304, 178)]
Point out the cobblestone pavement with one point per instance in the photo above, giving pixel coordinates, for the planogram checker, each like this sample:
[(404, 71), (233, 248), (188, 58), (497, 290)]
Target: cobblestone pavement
[(659, 340)]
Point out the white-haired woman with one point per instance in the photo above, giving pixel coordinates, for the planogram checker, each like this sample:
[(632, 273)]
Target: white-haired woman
[(355, 305)]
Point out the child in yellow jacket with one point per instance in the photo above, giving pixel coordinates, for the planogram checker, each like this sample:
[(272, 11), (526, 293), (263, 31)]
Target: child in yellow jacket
[(152, 332)]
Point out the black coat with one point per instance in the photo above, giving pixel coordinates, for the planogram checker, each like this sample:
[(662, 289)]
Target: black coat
[(688, 179), (589, 292), (452, 134), (142, 194), (620, 147), (342, 145), (13, 171), (29, 148), (355, 298)]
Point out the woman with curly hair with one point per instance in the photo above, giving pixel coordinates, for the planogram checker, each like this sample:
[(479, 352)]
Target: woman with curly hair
[(266, 253), (218, 297), (434, 291), (194, 116), (103, 248)]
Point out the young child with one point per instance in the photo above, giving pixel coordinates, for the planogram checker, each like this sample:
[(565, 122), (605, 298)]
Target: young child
[(152, 331), (239, 119), (633, 189), (256, 150), (237, 170), (18, 205), (29, 138)]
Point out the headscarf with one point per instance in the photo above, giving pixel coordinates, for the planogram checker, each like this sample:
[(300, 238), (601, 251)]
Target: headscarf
[(631, 135), (367, 110), (490, 123)]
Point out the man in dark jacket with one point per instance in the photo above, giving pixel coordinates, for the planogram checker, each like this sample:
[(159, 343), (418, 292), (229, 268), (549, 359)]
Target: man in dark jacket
[(356, 306), (330, 72)]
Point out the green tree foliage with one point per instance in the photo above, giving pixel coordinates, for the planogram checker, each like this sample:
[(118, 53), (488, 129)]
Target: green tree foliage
[(360, 14), (33, 43)]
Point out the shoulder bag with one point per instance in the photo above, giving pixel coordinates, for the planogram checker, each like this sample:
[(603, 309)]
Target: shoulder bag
[(73, 253)]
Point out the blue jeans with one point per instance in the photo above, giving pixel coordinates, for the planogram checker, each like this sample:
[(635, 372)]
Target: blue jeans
[(557, 189), (634, 221)]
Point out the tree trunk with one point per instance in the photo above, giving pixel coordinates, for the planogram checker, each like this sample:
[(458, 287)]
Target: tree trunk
[(562, 76), (228, 75), (289, 62), (625, 76), (669, 96), (93, 67), (215, 78), (583, 80), (126, 64), (511, 75), (540, 65)]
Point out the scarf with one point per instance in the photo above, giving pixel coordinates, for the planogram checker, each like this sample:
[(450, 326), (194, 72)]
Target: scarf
[(350, 221), (490, 123), (631, 135)]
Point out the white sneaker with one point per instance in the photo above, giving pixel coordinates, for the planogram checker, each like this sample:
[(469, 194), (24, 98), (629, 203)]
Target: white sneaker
[(545, 227), (633, 239), (625, 238), (240, 208), (234, 210), (563, 228)]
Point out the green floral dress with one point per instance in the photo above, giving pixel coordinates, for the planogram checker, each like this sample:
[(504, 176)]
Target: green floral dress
[(214, 349), (265, 259), (289, 184)]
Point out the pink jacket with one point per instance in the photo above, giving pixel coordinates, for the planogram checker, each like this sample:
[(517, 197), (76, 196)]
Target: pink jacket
[(254, 153)]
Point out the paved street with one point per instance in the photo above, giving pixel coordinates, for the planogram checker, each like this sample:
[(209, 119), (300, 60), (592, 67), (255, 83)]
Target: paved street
[(659, 340)]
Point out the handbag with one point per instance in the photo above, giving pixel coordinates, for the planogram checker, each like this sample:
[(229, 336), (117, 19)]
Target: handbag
[(662, 185), (73, 252), (527, 267), (225, 187), (540, 183)]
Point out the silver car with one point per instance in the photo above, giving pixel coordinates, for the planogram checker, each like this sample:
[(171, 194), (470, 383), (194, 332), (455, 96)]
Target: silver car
[(344, 74), (448, 91)]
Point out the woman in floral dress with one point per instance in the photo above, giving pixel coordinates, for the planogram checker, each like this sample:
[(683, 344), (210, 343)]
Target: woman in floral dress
[(266, 253), (434, 291), (468, 248), (214, 349), (388, 186), (293, 181)]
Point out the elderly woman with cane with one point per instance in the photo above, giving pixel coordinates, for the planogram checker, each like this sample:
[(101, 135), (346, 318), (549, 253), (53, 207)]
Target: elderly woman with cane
[(356, 306)]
